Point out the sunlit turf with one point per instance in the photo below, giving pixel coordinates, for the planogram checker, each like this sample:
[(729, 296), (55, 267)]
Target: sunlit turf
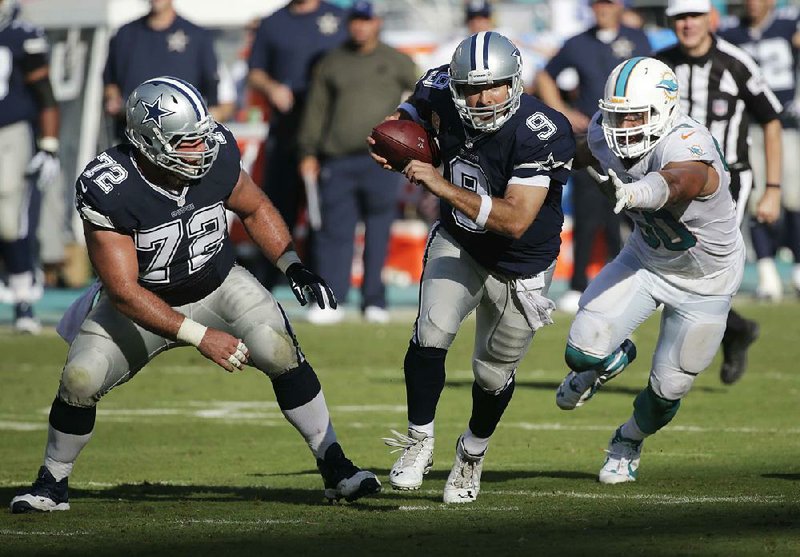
[(187, 459)]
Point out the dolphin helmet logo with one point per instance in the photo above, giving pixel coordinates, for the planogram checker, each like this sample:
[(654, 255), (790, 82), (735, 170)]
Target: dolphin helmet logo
[(669, 85)]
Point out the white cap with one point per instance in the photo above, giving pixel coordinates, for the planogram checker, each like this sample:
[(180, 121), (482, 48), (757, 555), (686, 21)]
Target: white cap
[(678, 7)]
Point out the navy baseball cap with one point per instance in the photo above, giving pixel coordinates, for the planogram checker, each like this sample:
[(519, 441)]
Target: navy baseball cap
[(478, 8), (362, 10)]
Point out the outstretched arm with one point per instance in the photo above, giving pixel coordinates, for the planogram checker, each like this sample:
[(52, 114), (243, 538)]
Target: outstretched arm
[(677, 182)]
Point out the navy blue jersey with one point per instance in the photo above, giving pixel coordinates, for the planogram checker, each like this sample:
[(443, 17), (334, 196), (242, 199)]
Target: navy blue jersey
[(594, 59), (771, 47), (181, 239), (23, 48), (138, 53), (287, 45), (534, 148)]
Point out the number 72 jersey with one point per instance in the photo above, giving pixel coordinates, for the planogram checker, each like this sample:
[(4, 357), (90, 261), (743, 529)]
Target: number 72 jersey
[(695, 245), (181, 237)]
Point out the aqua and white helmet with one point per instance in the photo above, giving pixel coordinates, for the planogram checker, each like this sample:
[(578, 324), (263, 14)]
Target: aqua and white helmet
[(486, 58), (639, 87), (163, 112)]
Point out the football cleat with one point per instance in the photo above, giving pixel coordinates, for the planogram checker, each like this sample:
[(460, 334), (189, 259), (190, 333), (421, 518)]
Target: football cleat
[(24, 320), (734, 352), (622, 460), (464, 482), (343, 479), (415, 461), (45, 495), (578, 387)]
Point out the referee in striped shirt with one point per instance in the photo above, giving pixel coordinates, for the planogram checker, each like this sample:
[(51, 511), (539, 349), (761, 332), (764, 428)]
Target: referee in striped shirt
[(723, 88)]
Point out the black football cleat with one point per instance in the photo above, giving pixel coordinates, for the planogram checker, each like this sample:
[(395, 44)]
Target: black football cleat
[(45, 495), (343, 479), (734, 352)]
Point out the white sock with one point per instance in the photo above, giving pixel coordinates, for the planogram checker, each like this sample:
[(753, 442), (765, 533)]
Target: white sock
[(62, 451), (313, 422), (427, 429), (630, 430), (475, 445)]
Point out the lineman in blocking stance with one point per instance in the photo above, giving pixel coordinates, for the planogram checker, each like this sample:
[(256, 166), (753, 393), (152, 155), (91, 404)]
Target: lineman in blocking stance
[(156, 231)]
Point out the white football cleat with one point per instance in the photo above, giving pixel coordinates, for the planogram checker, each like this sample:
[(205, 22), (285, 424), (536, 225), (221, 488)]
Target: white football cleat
[(622, 460), (568, 302), (375, 314), (464, 482), (326, 316), (415, 461)]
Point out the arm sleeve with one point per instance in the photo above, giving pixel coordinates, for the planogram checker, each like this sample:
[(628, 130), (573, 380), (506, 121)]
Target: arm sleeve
[(208, 68), (545, 149), (259, 51), (110, 70), (35, 49), (316, 110), (561, 61), (761, 102)]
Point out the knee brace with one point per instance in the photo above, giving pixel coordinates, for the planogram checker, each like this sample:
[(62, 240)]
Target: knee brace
[(424, 373), (652, 412)]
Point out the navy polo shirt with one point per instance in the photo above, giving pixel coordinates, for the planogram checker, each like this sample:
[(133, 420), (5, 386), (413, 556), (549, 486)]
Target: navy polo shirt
[(287, 45), (593, 60), (183, 50)]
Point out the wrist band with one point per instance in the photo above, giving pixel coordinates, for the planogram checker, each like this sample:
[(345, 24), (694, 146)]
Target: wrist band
[(287, 259), (483, 212), (777, 186), (191, 332), (650, 192), (50, 144)]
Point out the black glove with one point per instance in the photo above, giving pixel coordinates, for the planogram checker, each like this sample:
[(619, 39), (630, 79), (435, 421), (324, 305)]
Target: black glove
[(306, 283)]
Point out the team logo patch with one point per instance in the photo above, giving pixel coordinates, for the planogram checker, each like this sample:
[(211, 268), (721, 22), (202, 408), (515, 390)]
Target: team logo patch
[(697, 151), (328, 24), (719, 107), (154, 112), (669, 85)]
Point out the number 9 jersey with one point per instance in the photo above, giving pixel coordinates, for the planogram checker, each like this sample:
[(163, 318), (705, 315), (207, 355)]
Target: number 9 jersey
[(181, 237), (695, 245)]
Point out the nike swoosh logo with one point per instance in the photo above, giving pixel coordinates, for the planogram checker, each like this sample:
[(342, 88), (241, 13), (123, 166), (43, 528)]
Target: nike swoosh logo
[(687, 135)]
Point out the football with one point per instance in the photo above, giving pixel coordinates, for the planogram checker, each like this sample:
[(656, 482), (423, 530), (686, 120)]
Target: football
[(399, 141)]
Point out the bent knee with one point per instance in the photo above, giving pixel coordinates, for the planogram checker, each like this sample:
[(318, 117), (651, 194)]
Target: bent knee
[(83, 377), (492, 377), (272, 351), (437, 327)]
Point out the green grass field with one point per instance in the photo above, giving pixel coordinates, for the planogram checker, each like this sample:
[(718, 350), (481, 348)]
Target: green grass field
[(187, 459)]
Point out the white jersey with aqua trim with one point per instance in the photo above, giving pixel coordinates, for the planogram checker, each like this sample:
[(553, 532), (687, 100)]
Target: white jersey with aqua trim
[(694, 245)]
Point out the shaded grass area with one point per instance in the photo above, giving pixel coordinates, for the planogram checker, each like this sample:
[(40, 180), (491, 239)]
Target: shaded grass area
[(187, 459)]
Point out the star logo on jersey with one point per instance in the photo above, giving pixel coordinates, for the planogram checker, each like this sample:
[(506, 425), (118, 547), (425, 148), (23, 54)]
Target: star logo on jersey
[(154, 112), (549, 164), (177, 41), (328, 24), (622, 48)]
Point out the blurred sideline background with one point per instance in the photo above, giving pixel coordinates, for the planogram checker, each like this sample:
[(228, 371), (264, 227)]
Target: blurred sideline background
[(79, 31)]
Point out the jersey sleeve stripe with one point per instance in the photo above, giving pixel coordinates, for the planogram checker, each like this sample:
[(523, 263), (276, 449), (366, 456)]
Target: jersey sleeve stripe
[(539, 181)]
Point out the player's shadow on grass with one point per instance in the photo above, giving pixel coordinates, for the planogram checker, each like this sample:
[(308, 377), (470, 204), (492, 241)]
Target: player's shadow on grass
[(778, 476), (156, 492), (490, 479)]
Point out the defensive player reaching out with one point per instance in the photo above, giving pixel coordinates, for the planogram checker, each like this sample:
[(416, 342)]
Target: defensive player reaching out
[(156, 231), (685, 254), (505, 158)]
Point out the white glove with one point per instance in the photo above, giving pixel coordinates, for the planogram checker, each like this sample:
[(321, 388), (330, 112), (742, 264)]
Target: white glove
[(45, 168), (612, 187)]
